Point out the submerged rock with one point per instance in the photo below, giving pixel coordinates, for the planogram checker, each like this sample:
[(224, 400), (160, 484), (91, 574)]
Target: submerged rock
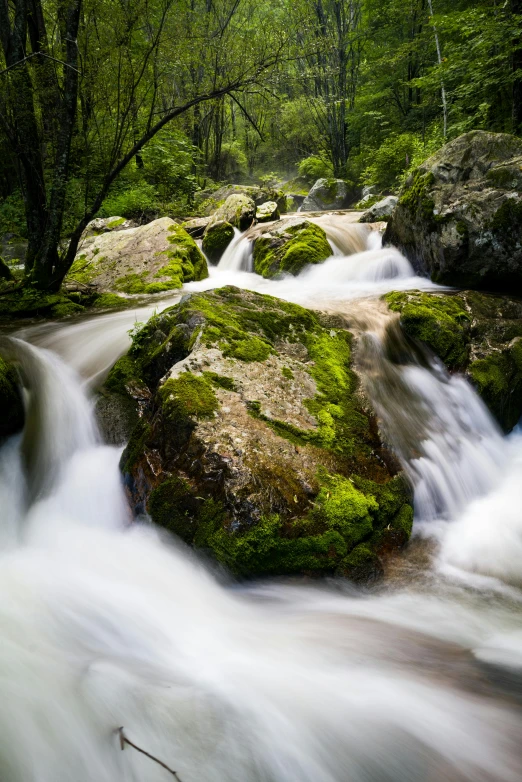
[(459, 216), (151, 258), (11, 404), (382, 210), (289, 246), (475, 333), (257, 445), (216, 239)]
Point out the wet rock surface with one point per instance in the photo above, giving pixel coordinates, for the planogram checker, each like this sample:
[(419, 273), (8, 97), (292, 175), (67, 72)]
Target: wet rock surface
[(475, 333), (256, 443), (459, 216)]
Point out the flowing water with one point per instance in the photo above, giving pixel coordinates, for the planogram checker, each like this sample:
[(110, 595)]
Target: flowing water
[(109, 624)]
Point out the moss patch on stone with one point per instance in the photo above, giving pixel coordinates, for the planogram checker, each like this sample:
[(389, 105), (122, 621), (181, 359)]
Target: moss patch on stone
[(216, 239), (442, 322), (307, 245), (475, 333)]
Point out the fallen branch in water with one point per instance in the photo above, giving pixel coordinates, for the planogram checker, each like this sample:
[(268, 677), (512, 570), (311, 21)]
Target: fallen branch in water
[(124, 740)]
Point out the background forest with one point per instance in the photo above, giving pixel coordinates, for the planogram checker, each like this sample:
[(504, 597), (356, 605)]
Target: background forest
[(141, 108)]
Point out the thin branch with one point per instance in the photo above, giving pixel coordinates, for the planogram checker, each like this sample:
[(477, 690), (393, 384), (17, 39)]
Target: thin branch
[(124, 740), (247, 115), (38, 54)]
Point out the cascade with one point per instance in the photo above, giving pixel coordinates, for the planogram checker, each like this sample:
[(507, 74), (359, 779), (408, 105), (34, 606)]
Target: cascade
[(108, 623)]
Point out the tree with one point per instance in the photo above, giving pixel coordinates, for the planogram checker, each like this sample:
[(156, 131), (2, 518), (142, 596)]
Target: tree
[(120, 74)]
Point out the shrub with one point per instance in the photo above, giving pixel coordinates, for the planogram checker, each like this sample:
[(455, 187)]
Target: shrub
[(315, 167)]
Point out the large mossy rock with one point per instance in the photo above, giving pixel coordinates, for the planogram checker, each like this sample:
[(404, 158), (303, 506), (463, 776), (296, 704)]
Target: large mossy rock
[(151, 258), (239, 210), (11, 404), (259, 195), (256, 444), (459, 216), (216, 239), (288, 246), (326, 194), (475, 333)]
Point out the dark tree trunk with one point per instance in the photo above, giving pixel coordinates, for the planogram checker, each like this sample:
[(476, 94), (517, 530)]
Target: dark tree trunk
[(516, 7)]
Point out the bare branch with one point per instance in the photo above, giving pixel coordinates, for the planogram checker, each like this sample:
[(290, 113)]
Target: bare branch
[(124, 740)]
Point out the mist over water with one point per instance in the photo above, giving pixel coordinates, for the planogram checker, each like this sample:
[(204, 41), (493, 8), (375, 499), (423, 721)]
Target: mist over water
[(107, 623)]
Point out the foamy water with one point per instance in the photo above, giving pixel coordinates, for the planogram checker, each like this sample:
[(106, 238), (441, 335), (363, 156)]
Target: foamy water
[(108, 624)]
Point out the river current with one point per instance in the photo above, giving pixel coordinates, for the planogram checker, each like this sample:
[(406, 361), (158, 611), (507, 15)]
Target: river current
[(108, 624)]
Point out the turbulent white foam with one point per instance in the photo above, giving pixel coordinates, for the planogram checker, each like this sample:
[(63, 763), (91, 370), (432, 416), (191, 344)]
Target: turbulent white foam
[(106, 624), (486, 538)]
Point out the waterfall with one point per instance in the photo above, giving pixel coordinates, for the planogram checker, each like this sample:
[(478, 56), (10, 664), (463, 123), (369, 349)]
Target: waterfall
[(109, 624)]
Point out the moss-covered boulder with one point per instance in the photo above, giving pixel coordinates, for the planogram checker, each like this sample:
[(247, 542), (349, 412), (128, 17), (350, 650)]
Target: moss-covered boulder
[(11, 405), (288, 246), (257, 445), (27, 302), (459, 216), (267, 212), (151, 258), (239, 210), (216, 239), (475, 333)]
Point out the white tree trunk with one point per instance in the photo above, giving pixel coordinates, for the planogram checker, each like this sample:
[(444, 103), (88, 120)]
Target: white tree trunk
[(442, 88)]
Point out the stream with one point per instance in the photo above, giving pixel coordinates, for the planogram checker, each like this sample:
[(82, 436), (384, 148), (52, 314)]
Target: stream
[(109, 624)]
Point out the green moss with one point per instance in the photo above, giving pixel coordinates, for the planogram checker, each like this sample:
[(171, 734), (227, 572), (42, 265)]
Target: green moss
[(11, 405), (29, 302), (287, 373), (249, 349), (111, 301), (135, 448), (308, 245), (124, 372), (441, 322), (216, 239), (115, 223), (416, 197), (188, 396), (172, 505), (342, 507), (362, 564), (184, 248), (221, 380)]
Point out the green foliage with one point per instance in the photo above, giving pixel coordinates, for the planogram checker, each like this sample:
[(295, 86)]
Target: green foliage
[(314, 167), (12, 215)]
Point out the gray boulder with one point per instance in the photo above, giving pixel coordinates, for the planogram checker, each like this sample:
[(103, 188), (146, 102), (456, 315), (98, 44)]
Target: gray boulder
[(459, 216), (267, 212), (326, 194), (382, 210)]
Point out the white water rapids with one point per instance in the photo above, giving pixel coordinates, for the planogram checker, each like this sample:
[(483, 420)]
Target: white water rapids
[(107, 624)]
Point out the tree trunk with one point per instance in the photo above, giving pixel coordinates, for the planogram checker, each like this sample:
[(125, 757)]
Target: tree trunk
[(516, 7)]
